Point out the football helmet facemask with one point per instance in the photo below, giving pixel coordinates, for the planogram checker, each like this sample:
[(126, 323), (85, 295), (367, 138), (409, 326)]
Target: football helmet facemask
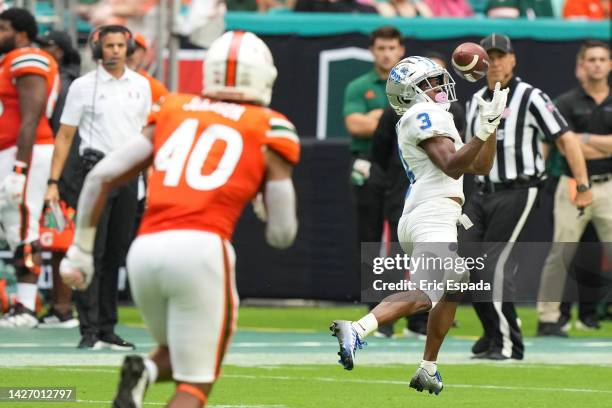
[(238, 66), (409, 80)]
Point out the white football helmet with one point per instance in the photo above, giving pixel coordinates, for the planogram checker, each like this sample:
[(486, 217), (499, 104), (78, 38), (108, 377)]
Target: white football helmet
[(238, 66), (409, 80)]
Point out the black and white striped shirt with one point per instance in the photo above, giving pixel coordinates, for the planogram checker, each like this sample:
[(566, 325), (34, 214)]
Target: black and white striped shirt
[(530, 116)]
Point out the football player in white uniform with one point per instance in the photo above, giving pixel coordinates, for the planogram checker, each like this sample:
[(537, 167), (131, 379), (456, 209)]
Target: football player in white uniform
[(435, 160)]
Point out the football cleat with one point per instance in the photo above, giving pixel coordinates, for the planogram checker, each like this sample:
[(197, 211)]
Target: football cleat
[(90, 341), (114, 342), (421, 380), (587, 323), (56, 320), (349, 342), (19, 317), (133, 383)]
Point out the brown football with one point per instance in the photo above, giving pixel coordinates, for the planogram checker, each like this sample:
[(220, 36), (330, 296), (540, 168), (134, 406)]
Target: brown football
[(470, 61)]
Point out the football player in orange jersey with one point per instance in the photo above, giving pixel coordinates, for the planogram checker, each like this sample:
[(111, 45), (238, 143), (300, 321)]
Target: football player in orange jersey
[(137, 63), (210, 156), (29, 83)]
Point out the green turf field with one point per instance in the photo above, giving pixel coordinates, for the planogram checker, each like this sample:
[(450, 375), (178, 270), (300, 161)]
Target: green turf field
[(283, 357), (372, 386)]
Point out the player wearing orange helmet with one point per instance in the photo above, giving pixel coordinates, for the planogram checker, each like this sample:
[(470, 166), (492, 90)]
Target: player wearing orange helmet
[(210, 155)]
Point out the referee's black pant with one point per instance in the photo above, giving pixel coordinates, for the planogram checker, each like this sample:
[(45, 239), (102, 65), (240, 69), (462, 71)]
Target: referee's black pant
[(499, 218), (97, 306)]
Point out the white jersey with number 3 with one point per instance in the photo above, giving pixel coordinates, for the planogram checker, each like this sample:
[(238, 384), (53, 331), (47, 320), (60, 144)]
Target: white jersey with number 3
[(423, 121)]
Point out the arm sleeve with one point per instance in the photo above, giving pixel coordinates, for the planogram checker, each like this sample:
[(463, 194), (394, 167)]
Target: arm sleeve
[(120, 162), (282, 225), (353, 102), (548, 119), (384, 138), (73, 108)]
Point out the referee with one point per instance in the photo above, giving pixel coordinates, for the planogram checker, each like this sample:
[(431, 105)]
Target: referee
[(503, 200), (108, 106)]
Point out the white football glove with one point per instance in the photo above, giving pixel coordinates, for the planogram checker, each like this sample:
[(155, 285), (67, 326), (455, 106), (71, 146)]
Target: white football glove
[(490, 113), (14, 187), (361, 171), (77, 268)]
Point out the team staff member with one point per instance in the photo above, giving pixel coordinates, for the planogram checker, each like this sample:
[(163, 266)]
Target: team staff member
[(506, 196), (136, 62), (587, 109), (364, 101), (29, 83), (109, 107), (59, 45)]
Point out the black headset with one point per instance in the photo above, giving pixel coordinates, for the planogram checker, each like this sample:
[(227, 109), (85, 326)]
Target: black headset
[(95, 39)]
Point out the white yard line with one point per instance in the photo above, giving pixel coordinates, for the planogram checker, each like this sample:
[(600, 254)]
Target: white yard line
[(405, 383), (261, 359)]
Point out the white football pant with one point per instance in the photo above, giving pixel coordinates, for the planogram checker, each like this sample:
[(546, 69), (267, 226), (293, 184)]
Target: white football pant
[(13, 224), (183, 283)]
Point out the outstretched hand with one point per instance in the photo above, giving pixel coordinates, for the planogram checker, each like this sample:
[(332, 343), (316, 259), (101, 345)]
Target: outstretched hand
[(490, 113)]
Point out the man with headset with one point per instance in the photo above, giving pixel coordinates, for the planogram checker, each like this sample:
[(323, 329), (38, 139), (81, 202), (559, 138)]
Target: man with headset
[(109, 106)]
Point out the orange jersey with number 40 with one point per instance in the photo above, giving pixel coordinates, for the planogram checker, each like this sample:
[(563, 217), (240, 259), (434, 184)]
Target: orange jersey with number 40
[(209, 161)]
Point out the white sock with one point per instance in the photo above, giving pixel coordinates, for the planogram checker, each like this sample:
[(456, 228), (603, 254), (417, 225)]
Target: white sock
[(366, 325), (26, 294), (429, 366), (151, 368)]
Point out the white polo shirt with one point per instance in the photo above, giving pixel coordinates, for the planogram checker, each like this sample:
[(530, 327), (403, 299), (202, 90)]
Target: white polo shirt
[(108, 111)]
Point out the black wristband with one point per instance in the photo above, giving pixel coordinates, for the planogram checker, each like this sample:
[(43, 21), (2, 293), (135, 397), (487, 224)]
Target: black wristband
[(52, 181)]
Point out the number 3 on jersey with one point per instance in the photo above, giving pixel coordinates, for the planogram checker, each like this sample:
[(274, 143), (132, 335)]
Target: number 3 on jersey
[(425, 122), (176, 152)]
